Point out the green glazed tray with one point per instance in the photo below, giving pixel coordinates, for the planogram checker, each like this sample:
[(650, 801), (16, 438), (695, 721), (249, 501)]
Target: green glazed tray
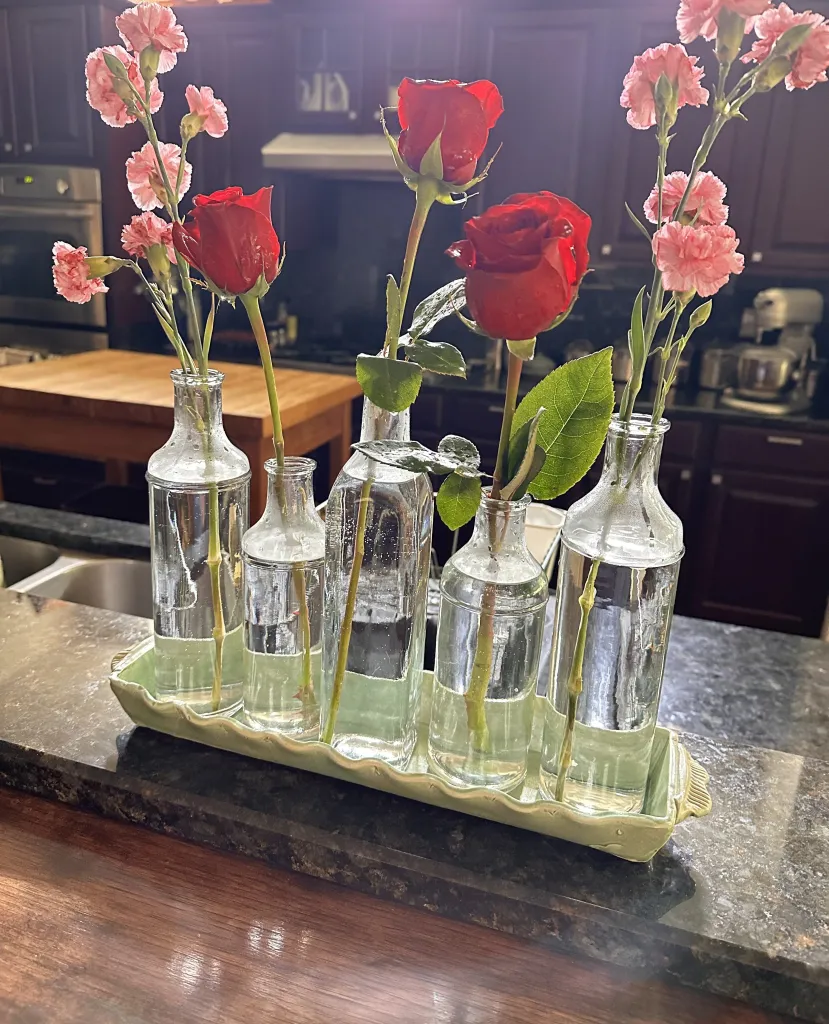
[(677, 784)]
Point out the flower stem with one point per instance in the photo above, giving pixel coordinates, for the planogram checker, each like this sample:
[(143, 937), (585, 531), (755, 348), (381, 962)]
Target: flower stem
[(214, 562), (575, 679), (348, 617), (254, 313), (427, 193), (514, 367)]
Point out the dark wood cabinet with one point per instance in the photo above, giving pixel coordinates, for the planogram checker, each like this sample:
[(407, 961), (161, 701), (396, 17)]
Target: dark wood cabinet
[(52, 119), (8, 137)]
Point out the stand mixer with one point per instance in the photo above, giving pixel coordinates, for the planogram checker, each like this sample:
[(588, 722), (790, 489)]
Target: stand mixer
[(772, 379)]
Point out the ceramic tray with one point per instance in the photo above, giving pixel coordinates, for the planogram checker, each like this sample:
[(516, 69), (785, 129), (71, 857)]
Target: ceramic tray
[(677, 785)]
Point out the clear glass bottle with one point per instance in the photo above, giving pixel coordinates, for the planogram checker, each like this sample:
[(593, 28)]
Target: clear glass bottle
[(493, 595), (199, 488), (371, 686), (605, 729), (283, 556)]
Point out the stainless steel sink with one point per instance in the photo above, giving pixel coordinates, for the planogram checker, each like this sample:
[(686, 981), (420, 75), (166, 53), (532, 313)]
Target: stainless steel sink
[(22, 558), (117, 584)]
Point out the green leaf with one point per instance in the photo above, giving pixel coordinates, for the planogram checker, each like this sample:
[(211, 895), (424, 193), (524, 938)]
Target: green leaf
[(437, 306), (459, 448), (639, 224), (393, 312), (437, 356), (521, 455), (700, 315), (539, 457), (636, 336), (390, 384), (458, 500), (431, 166), (524, 350), (577, 399), (409, 175), (453, 454)]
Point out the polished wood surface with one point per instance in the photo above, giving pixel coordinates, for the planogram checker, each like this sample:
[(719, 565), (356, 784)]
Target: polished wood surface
[(103, 923), (114, 405)]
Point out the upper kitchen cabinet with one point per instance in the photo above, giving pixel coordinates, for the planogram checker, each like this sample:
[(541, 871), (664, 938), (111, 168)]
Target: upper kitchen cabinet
[(7, 133), (52, 120), (556, 107)]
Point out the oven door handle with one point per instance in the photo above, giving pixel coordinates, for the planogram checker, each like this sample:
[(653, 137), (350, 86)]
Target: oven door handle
[(84, 211)]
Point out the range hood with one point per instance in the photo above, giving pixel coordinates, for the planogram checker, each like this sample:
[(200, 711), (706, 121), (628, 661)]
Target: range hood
[(334, 154)]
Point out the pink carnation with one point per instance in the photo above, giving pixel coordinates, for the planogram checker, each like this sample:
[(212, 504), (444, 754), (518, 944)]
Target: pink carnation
[(100, 94), (810, 62), (144, 230), (144, 178), (69, 272), (204, 104), (150, 24), (699, 17), (705, 200), (698, 258), (671, 60)]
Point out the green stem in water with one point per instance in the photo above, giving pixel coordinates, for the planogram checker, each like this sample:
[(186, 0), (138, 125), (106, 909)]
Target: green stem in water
[(575, 679), (214, 563), (427, 193), (348, 617)]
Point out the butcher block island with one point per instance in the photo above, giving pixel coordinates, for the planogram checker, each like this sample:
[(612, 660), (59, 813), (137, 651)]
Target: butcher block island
[(117, 407)]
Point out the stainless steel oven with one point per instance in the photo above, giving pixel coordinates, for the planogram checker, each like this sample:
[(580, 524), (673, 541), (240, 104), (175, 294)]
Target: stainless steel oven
[(38, 206)]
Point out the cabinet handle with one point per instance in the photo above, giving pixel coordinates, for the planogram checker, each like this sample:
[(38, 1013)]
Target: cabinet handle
[(27, 147), (756, 257), (794, 442), (7, 147), (497, 409), (716, 479), (606, 250), (686, 474)]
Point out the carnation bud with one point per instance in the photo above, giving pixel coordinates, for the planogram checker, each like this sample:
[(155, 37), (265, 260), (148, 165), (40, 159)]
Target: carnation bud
[(773, 71), (666, 99), (791, 40), (116, 67), (100, 266), (730, 31), (700, 315), (148, 62), (191, 125), (159, 260)]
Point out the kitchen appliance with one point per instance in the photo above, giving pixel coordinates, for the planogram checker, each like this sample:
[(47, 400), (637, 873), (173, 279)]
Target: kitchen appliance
[(39, 205), (773, 378), (718, 368)]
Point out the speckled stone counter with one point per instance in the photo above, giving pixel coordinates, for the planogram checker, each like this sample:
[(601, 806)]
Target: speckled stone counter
[(736, 903)]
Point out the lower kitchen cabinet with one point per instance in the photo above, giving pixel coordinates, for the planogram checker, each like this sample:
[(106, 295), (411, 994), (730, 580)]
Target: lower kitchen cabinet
[(764, 553)]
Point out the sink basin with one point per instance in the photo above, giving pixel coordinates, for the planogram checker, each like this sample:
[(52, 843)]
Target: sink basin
[(117, 584), (22, 558)]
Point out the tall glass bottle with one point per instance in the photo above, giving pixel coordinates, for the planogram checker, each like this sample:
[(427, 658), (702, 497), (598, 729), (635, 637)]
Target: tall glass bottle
[(199, 491), (283, 556), (493, 595), (380, 517), (620, 554)]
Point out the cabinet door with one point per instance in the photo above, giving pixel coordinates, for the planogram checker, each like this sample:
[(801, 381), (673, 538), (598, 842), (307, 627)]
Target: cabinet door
[(7, 134), (48, 48), (556, 104), (765, 552)]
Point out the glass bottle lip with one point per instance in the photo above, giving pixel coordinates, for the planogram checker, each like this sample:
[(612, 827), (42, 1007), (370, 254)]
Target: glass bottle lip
[(187, 379), (639, 426), (501, 505), (294, 466)]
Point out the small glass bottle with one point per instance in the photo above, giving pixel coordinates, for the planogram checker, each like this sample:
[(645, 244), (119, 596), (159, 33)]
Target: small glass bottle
[(493, 596), (381, 517), (199, 492), (283, 556), (601, 715)]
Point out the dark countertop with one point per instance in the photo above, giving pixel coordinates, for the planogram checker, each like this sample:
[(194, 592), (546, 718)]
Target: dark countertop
[(75, 532), (735, 903)]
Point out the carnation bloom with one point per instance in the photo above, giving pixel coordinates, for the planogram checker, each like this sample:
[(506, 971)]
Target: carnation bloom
[(705, 202), (149, 24), (809, 63), (699, 17), (668, 59), (204, 104), (698, 258), (101, 95), (144, 178), (70, 274), (144, 230)]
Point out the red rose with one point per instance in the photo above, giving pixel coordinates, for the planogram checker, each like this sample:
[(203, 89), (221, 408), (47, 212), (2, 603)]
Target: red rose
[(524, 261), (229, 237), (464, 113)]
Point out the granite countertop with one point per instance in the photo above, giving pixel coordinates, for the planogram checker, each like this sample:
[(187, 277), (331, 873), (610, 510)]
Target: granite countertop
[(735, 903)]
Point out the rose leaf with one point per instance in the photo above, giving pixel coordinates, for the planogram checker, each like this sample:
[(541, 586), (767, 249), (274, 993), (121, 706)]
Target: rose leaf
[(577, 399), (522, 459), (453, 454), (437, 356), (458, 500), (437, 306), (459, 448), (391, 384)]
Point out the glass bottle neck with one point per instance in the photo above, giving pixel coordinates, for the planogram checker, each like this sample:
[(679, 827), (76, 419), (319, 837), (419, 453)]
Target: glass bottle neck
[(290, 487), (500, 526), (632, 451), (379, 425), (197, 403)]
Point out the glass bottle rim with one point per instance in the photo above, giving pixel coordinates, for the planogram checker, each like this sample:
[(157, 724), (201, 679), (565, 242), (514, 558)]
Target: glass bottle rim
[(639, 426), (294, 466), (189, 379), (502, 505)]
